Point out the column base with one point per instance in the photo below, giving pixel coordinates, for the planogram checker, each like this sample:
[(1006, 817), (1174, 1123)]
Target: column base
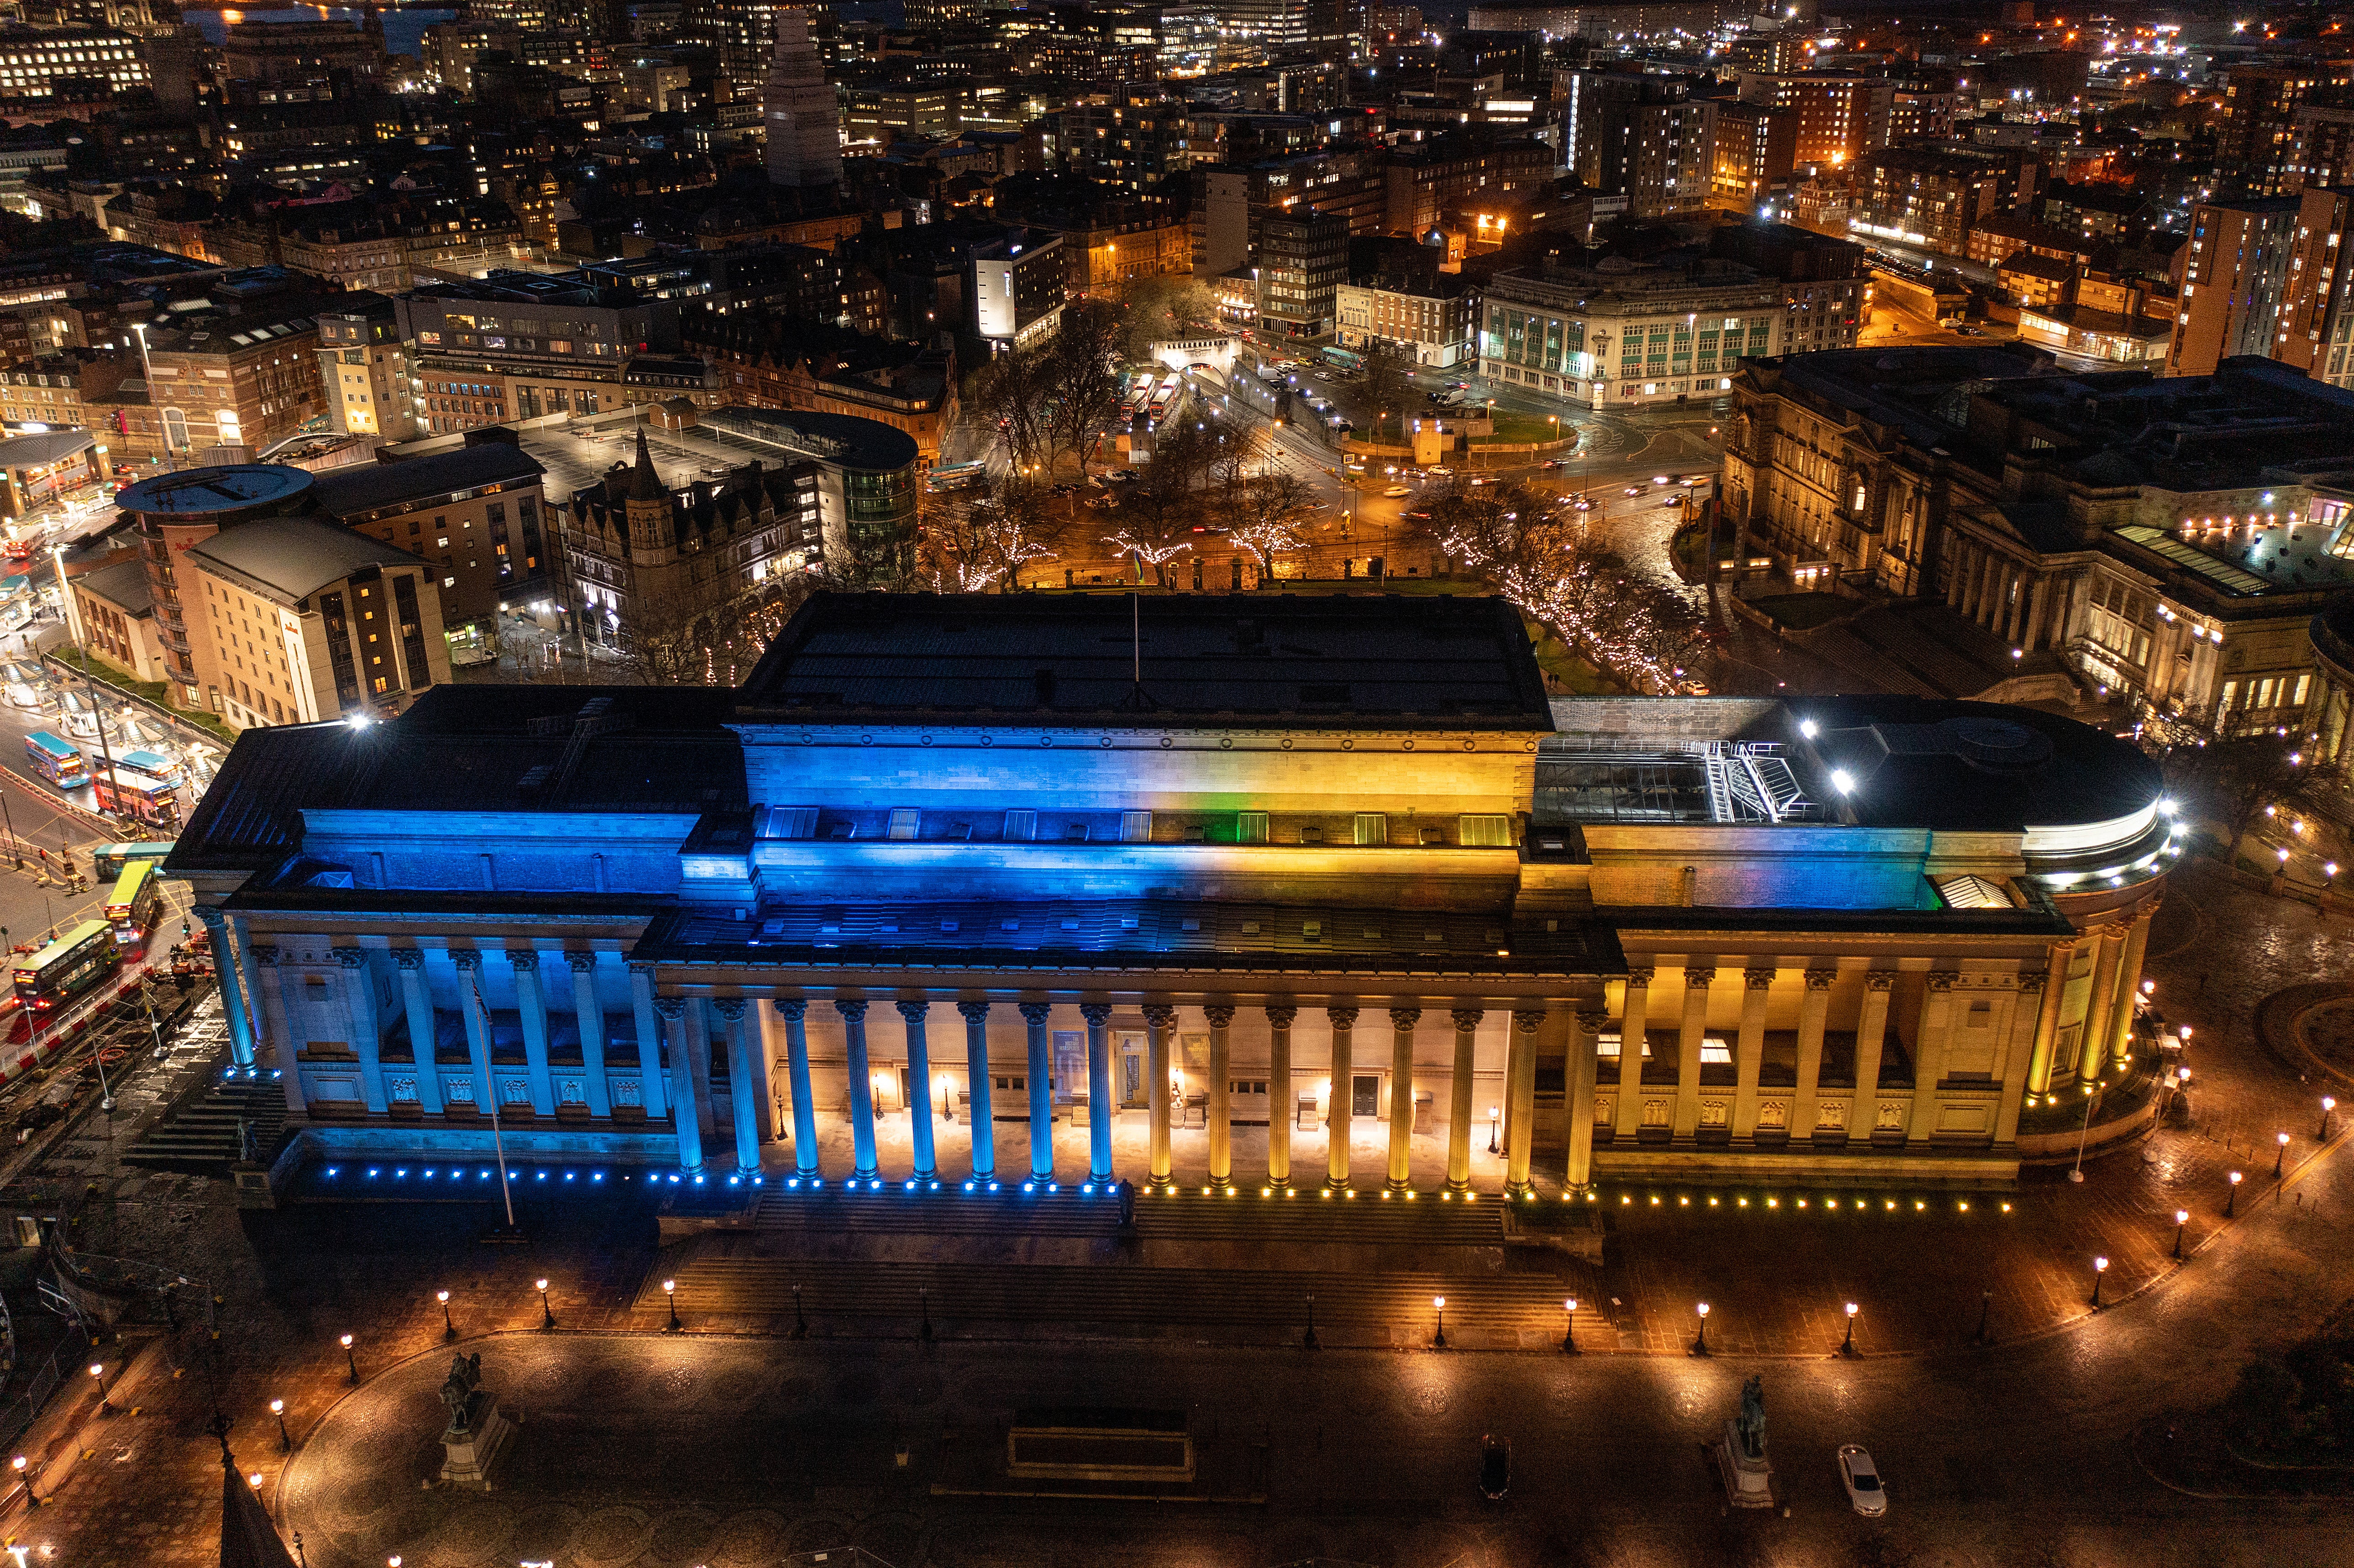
[(1279, 1182), (1337, 1183), (1398, 1184), (1458, 1184), (1223, 1183), (931, 1175), (869, 1174), (1519, 1188)]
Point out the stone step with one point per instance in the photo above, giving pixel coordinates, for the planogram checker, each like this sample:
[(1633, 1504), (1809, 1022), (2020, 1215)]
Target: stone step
[(1367, 1219), (199, 1135)]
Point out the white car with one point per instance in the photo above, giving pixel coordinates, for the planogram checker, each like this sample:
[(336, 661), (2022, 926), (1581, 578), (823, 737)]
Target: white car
[(1862, 1479), (1394, 490)]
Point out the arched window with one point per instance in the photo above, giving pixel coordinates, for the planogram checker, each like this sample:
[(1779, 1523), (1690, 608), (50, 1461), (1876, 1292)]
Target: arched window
[(175, 428)]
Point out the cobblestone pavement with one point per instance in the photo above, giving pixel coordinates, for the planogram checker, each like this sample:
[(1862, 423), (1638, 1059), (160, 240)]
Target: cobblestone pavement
[(2035, 1426)]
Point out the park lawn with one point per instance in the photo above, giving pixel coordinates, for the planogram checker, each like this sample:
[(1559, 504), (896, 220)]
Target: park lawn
[(1513, 426)]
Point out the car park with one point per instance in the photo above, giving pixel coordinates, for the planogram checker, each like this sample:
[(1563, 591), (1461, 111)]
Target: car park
[(1861, 1479)]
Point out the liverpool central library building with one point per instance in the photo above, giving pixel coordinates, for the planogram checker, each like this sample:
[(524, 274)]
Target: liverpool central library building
[(1283, 892)]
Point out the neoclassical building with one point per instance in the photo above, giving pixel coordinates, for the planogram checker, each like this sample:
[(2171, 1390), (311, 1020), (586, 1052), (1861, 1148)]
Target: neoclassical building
[(1157, 864), (2168, 538)]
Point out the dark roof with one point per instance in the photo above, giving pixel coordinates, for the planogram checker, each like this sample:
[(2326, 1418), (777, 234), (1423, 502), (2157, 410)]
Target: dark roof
[(251, 815), (123, 585), (645, 480), (295, 556), (39, 450), (1321, 661), (845, 439), (371, 487), (1965, 766)]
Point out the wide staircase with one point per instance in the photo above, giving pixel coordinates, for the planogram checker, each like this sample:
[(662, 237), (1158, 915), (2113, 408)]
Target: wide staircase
[(1368, 1219), (199, 1135)]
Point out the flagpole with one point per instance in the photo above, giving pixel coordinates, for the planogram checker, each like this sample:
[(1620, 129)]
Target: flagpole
[(498, 1144)]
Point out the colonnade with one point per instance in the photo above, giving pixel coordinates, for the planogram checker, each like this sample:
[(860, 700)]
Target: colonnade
[(2113, 951), (1161, 1024), (2027, 608)]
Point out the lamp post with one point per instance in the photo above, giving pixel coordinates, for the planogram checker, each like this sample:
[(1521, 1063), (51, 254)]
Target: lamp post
[(800, 1324), (670, 1289), (546, 1313), (2100, 1270), (2076, 1171), (2280, 1156), (1492, 1114), (449, 1329), (1700, 1343), (98, 1371), (285, 1443), (349, 1361), (2232, 1202), (32, 1499), (1569, 1327), (1847, 1345), (2181, 1218), (2328, 1104), (1438, 1305)]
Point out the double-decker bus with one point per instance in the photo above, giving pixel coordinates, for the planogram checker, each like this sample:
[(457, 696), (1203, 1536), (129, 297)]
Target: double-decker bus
[(109, 861), (59, 761), (77, 961), (128, 793), (1164, 399), (956, 476), (1139, 395), (133, 906)]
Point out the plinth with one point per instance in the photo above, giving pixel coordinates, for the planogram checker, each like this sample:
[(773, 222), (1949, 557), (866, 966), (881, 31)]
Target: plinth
[(472, 1444), (1749, 1483)]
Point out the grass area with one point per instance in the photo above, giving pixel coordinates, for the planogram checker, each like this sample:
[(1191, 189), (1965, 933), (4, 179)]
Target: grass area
[(1557, 659), (1513, 426), (155, 692), (1804, 611), (1688, 543)]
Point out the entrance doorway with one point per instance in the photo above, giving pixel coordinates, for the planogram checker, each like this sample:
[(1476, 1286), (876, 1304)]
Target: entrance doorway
[(1365, 1095)]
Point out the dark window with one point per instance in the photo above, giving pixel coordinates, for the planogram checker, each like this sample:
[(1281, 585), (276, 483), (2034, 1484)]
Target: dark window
[(339, 648)]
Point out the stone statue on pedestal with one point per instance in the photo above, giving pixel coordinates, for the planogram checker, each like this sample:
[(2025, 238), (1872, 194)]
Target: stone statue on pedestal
[(1741, 1457), (477, 1429)]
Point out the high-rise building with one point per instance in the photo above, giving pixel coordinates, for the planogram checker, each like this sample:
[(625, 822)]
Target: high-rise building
[(798, 109), (2313, 307), (1643, 136), (2232, 274), (2256, 137), (1304, 260), (1840, 117)]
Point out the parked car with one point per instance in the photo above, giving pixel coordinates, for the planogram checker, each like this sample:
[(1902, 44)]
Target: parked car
[(1496, 1468), (1861, 1477)]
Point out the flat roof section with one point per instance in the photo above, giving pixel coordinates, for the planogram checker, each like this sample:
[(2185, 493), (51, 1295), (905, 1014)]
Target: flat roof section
[(1203, 660)]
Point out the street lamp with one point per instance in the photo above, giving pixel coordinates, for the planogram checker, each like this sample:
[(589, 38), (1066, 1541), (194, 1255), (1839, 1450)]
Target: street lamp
[(2232, 1202), (2280, 1156), (546, 1313), (278, 1408), (1569, 1325), (2100, 1268), (1492, 1114), (2328, 1104), (1847, 1345), (349, 1361), (1438, 1305), (31, 1498), (2181, 1218), (449, 1329), (1700, 1343), (669, 1288)]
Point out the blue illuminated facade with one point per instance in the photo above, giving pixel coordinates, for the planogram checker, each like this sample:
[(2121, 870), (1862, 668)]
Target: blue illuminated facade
[(1326, 872)]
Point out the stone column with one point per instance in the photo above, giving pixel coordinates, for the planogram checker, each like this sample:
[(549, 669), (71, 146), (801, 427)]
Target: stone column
[(672, 1010), (1579, 1173), (1870, 1033), (794, 1010), (1697, 980), (698, 1079), (1279, 1019), (1632, 1031), (2047, 1017), (919, 1076), (743, 1083), (228, 966), (2027, 1027), (1814, 1012), (1221, 1125), (1159, 1019), (2039, 611), (478, 1025), (1749, 1051), (2128, 989), (1338, 1105), (273, 1015), (588, 1018), (2092, 1044), (533, 1009), (1459, 1099), (359, 1003), (1402, 1023), (1100, 1108), (653, 1088), (1521, 1101), (1041, 1090), (982, 1123), (1929, 1045), (862, 1089)]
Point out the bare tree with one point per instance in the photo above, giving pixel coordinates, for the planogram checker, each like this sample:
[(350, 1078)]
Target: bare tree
[(1083, 386), (1388, 384), (1012, 390), (2238, 778), (1159, 308), (1270, 508), (987, 538)]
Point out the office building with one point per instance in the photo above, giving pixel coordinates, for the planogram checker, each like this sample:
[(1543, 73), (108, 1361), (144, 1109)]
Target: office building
[(800, 117)]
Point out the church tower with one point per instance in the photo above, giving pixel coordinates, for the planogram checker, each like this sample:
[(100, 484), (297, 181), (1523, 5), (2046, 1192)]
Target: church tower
[(646, 506)]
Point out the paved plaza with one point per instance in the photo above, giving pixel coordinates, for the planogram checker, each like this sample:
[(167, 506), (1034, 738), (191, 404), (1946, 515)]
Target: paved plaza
[(734, 1441)]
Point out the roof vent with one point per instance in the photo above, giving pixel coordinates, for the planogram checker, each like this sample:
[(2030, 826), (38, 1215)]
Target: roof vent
[(1998, 746)]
